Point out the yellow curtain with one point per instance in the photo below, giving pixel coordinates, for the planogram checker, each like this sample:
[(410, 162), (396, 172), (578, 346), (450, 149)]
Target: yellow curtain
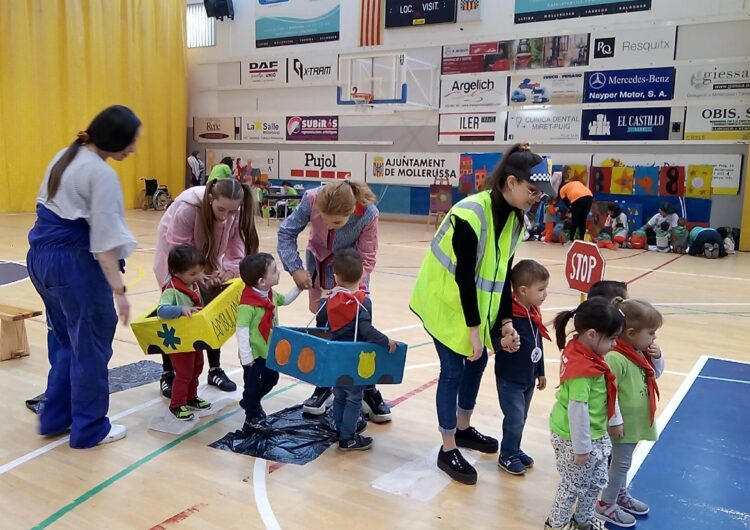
[(62, 61)]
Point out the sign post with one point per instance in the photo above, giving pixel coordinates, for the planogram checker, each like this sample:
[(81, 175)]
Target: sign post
[(584, 266)]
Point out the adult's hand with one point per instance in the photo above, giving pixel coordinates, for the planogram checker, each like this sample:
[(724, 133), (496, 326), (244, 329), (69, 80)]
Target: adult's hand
[(302, 278), (476, 344), (123, 308)]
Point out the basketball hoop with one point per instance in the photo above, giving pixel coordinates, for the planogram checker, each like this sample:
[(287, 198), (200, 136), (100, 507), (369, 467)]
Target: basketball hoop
[(361, 99)]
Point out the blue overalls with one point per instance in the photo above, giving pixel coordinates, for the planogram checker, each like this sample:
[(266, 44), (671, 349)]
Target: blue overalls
[(81, 322)]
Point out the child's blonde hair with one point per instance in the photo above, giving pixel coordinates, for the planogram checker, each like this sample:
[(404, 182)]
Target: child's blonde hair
[(341, 198), (639, 314)]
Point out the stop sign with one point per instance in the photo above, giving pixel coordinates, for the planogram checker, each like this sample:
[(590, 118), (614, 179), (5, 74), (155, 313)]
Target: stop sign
[(584, 266)]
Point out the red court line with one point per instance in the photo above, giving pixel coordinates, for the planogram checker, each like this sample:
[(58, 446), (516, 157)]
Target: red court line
[(179, 517), (654, 269)]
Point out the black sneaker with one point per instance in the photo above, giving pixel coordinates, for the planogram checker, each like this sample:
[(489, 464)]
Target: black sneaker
[(456, 467), (511, 465), (316, 404), (218, 378), (356, 443), (473, 439), (361, 424), (182, 413), (525, 459), (256, 424), (165, 384), (374, 406)]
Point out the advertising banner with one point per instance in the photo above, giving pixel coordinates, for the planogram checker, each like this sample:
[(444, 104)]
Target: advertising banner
[(306, 70), (553, 89), (706, 80), (459, 128), (401, 13), (626, 124), (412, 169), (473, 91), (633, 47), (321, 165), (718, 122), (312, 128), (544, 125), (288, 22), (644, 84), (263, 128), (469, 10), (541, 10), (213, 129)]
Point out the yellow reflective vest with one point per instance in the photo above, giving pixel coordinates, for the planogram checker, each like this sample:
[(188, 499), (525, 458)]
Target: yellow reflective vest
[(436, 300)]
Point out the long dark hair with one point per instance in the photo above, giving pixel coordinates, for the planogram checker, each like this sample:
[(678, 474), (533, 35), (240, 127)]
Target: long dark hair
[(230, 189), (595, 313), (517, 161), (112, 130)]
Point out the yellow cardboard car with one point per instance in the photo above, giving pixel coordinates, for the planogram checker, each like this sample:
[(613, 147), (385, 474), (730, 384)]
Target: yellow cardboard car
[(209, 328)]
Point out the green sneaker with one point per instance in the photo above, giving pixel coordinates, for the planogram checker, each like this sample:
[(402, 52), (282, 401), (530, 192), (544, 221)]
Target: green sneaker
[(198, 404), (181, 413)]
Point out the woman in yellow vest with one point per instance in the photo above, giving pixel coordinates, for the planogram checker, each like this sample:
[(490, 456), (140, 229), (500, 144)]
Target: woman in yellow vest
[(463, 296)]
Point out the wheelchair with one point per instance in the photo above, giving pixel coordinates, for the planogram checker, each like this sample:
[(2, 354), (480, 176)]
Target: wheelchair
[(154, 195)]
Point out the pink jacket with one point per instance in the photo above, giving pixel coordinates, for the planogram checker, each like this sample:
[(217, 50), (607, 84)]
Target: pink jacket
[(181, 223)]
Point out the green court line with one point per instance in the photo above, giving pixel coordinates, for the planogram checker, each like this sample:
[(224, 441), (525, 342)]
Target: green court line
[(138, 463)]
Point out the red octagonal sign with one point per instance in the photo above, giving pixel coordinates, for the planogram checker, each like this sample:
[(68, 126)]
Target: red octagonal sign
[(584, 266)]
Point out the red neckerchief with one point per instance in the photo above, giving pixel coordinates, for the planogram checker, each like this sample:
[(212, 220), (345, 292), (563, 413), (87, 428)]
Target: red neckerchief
[(644, 362), (189, 290), (519, 310), (579, 361), (251, 297), (343, 307)]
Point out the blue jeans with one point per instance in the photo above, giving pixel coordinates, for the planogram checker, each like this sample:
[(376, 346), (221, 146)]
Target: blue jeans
[(515, 399), (347, 404), (458, 385)]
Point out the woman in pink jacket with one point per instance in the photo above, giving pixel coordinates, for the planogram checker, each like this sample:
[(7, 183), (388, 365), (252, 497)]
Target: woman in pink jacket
[(341, 215), (219, 220)]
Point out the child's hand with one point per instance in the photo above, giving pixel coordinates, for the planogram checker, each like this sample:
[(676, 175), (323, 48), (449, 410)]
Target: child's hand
[(654, 351), (392, 345), (617, 431), (581, 460), (188, 311), (511, 340), (541, 382)]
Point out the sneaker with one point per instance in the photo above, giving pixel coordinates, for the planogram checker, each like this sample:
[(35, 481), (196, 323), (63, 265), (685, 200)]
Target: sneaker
[(165, 383), (568, 526), (456, 467), (316, 404), (632, 505), (374, 406), (218, 378), (708, 250), (593, 524), (614, 515), (198, 404), (715, 251), (512, 465), (116, 432), (356, 443), (256, 424), (182, 413), (361, 425), (525, 459), (473, 439)]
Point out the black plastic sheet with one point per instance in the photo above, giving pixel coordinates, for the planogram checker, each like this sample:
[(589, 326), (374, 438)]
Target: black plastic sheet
[(293, 437), (120, 378)]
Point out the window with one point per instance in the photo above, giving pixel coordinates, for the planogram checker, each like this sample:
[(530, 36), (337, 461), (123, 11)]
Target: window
[(201, 30)]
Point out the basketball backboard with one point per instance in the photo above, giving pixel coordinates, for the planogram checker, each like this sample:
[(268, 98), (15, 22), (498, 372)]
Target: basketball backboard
[(381, 78)]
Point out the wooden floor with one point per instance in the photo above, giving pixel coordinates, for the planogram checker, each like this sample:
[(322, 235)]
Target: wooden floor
[(152, 479)]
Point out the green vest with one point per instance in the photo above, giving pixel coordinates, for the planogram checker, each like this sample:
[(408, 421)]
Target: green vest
[(436, 300)]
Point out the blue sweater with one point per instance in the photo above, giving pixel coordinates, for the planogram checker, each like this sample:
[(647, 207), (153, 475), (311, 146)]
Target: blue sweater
[(517, 367)]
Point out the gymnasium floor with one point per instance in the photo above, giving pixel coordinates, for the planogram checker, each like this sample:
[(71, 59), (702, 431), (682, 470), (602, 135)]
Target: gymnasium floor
[(153, 480)]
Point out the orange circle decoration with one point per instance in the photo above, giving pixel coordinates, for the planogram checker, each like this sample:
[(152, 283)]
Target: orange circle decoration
[(283, 351), (306, 362)]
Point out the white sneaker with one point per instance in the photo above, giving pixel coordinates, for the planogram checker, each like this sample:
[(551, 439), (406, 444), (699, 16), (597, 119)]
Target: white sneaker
[(116, 432)]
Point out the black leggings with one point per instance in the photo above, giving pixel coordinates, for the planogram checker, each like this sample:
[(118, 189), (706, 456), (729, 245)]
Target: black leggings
[(579, 213)]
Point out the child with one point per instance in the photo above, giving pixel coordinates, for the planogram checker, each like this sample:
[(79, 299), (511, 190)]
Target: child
[(180, 297), (662, 237), (256, 316), (585, 401), (617, 223), (636, 362), (551, 218), (609, 289), (726, 235), (605, 239), (348, 312), (516, 373), (706, 241), (679, 236)]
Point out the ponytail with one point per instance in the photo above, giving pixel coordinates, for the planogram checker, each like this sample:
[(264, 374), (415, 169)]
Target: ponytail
[(248, 231), (362, 193), (55, 174), (208, 246), (560, 323), (596, 313), (341, 198)]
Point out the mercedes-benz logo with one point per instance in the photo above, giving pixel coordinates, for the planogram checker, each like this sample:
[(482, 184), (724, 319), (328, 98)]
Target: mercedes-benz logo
[(597, 80)]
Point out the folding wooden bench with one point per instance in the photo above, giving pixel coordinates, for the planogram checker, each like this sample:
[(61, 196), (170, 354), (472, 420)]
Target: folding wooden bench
[(13, 340)]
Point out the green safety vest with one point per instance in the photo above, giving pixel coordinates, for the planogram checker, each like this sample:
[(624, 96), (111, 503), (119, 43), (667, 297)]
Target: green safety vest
[(436, 300)]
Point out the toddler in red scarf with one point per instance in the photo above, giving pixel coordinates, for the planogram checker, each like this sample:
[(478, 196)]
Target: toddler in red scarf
[(256, 317), (180, 297), (585, 402), (636, 362)]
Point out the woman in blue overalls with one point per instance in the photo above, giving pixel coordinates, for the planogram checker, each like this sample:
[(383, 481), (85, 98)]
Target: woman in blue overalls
[(75, 261)]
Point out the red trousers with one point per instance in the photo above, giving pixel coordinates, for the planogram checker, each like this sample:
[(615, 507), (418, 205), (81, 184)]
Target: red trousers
[(187, 368)]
